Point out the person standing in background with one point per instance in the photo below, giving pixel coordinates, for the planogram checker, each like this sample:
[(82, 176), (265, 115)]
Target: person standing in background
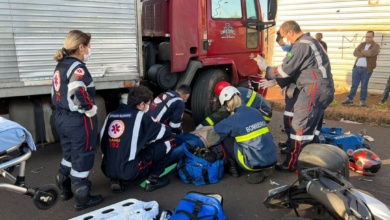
[(366, 55), (73, 94), (319, 39)]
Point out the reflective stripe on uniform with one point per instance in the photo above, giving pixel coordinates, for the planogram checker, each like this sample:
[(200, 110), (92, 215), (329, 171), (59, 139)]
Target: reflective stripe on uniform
[(317, 56), (252, 135), (165, 108), (289, 114), (242, 161), (71, 106), (168, 146), (66, 163), (71, 68), (267, 119), (75, 84), (92, 84), (251, 99), (174, 125), (208, 119), (281, 72), (134, 140), (79, 174), (302, 137), (161, 133)]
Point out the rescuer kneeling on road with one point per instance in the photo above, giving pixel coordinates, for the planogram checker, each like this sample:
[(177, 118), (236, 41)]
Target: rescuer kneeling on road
[(249, 98), (133, 145), (245, 136)]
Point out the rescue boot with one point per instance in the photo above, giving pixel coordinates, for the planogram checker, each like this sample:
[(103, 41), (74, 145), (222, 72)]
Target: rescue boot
[(64, 184), (82, 198), (155, 182), (233, 168), (117, 186), (258, 177)]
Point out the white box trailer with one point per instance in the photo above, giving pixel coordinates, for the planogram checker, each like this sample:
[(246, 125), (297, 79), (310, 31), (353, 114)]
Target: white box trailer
[(30, 33)]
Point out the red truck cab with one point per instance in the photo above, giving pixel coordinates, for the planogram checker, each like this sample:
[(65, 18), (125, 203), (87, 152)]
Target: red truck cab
[(202, 42)]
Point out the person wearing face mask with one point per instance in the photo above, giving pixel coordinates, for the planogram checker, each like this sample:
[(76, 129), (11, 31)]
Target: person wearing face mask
[(245, 136), (168, 108), (290, 91), (73, 94), (134, 145), (279, 39), (309, 65)]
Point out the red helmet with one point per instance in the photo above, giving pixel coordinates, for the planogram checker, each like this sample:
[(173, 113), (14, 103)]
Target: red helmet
[(365, 162), (219, 86)]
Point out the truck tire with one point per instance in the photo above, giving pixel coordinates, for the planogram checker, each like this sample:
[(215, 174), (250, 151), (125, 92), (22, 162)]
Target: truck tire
[(203, 100)]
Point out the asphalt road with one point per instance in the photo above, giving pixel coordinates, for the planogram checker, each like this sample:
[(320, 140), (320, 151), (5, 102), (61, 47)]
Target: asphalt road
[(241, 200)]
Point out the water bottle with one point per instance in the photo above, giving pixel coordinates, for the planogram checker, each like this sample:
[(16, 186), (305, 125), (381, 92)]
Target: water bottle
[(165, 215)]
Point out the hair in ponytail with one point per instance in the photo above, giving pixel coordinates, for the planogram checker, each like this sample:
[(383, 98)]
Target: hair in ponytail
[(72, 41)]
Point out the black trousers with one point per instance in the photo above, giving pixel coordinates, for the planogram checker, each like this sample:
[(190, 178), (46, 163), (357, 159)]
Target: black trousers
[(78, 136)]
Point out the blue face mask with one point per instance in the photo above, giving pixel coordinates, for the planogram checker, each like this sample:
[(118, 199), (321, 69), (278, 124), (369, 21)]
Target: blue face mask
[(286, 47)]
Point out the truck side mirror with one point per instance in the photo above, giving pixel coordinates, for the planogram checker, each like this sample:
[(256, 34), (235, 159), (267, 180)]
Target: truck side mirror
[(254, 23), (272, 9)]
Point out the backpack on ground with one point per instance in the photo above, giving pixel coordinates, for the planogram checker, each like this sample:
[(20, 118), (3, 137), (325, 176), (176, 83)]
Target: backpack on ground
[(196, 206), (200, 165), (348, 142)]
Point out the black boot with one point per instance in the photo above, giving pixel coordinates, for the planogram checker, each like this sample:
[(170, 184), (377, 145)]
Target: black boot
[(258, 177), (233, 168), (64, 184), (82, 198), (117, 186), (155, 182)]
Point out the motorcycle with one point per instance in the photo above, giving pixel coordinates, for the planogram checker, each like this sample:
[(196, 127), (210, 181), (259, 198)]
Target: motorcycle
[(330, 194)]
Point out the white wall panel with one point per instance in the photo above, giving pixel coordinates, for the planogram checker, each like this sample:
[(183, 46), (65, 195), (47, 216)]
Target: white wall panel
[(343, 24), (31, 31)]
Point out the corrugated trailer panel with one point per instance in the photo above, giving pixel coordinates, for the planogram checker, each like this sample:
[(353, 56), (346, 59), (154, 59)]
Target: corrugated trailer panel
[(343, 25), (31, 32)]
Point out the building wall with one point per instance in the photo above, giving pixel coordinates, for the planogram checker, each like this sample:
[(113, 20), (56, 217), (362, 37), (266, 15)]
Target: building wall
[(343, 24)]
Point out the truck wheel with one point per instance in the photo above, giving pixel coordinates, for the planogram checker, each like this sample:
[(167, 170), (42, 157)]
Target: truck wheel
[(203, 100)]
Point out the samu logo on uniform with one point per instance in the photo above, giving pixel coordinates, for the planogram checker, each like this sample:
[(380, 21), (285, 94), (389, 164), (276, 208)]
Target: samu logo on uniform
[(115, 130), (57, 84)]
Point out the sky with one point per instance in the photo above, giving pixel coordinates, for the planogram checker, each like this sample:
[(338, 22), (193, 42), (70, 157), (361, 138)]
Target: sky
[(263, 4)]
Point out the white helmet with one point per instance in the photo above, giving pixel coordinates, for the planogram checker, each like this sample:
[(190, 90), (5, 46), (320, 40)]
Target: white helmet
[(227, 93)]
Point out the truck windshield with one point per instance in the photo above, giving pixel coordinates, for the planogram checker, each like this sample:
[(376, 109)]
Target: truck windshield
[(226, 9), (251, 9)]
